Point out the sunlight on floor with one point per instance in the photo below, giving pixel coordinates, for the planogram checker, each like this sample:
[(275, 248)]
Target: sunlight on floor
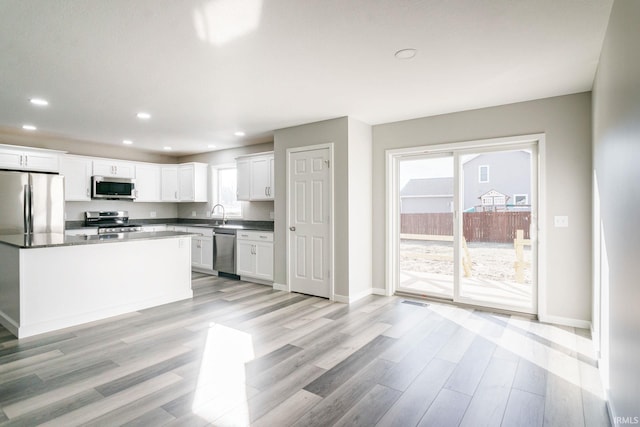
[(542, 344), (221, 387), (220, 21)]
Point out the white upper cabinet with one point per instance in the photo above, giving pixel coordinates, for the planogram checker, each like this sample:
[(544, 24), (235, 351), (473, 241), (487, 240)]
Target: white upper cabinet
[(169, 183), (192, 182), (77, 178), (31, 159), (114, 168), (243, 169), (256, 173), (148, 183)]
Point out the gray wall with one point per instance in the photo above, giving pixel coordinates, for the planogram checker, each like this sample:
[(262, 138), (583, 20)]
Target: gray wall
[(335, 131), (360, 208), (566, 120), (616, 148), (434, 204), (75, 210), (256, 211)]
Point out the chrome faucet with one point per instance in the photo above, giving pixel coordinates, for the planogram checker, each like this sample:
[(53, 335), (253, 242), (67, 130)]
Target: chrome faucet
[(224, 220)]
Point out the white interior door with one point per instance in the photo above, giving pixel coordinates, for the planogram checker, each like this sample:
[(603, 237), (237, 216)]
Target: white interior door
[(309, 229)]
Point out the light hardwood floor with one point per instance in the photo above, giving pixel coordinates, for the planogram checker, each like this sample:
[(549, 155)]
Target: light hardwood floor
[(240, 354)]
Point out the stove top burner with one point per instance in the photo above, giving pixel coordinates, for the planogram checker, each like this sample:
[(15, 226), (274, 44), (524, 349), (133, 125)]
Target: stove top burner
[(110, 222)]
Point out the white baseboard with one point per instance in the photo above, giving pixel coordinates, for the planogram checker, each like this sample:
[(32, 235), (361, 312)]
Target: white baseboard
[(565, 321), (280, 287), (352, 298), (256, 281), (10, 324), (379, 291)]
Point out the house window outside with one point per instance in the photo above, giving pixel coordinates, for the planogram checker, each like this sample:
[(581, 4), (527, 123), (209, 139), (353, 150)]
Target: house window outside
[(487, 201), (483, 173), (225, 188), (520, 199), (499, 200)]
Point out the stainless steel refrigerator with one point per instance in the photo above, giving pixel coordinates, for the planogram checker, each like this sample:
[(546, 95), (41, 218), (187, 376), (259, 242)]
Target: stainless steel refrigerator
[(31, 203)]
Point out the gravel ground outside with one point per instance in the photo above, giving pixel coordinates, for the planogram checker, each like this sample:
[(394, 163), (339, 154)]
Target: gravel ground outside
[(494, 261)]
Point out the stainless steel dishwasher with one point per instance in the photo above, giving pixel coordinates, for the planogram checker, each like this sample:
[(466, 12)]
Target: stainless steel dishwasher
[(224, 251)]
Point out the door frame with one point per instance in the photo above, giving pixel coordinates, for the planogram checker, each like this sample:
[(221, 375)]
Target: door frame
[(392, 217), (289, 151)]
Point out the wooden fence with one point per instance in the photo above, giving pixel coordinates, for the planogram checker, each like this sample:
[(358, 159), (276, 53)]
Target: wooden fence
[(496, 227)]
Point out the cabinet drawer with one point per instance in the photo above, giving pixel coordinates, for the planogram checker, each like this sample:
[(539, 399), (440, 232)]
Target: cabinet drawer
[(261, 236)]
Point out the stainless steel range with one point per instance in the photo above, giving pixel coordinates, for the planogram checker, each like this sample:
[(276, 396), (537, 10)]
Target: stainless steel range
[(110, 222)]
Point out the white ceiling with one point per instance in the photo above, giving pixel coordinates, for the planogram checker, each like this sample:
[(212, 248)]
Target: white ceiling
[(206, 68)]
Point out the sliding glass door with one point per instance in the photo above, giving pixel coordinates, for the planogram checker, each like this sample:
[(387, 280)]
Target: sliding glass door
[(467, 221), (426, 225)]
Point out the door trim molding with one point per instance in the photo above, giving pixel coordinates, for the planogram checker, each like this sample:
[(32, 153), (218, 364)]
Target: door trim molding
[(392, 207), (289, 151)]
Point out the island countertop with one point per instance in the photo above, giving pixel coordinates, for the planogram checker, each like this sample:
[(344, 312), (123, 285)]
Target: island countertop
[(47, 240)]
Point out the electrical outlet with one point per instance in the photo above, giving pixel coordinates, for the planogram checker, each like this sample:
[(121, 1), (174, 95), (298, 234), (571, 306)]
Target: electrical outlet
[(193, 213), (561, 221), (152, 214)]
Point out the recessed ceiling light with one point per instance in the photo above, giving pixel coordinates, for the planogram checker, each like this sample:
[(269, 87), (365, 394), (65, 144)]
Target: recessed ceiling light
[(144, 116), (239, 133), (39, 102), (127, 141), (211, 146), (406, 53), (29, 127), (166, 148)]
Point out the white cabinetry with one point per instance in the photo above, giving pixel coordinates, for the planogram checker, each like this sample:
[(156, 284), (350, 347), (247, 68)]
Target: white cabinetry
[(113, 168), (255, 177), (169, 183), (192, 182), (255, 255), (32, 159), (243, 170), (77, 178), (201, 248), (148, 183)]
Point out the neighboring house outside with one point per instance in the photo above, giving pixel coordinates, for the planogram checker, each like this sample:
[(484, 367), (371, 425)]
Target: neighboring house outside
[(492, 181), (427, 195), (506, 172)]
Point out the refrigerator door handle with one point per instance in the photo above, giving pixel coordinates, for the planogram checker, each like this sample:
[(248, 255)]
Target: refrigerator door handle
[(25, 209), (30, 208)]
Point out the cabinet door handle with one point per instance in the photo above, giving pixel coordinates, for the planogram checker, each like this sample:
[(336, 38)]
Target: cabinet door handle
[(265, 191), (263, 237), (26, 160), (21, 159), (88, 195), (175, 195)]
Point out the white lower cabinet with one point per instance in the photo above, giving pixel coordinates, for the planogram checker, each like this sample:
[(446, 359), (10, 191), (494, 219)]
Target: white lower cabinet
[(254, 255), (201, 247)]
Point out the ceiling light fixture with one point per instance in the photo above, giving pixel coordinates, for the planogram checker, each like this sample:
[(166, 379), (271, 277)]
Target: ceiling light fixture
[(406, 53), (143, 116), (127, 141), (166, 148), (239, 133), (29, 127), (39, 102)]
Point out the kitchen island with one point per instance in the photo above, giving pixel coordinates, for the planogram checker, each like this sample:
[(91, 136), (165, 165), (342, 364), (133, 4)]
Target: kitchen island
[(52, 281)]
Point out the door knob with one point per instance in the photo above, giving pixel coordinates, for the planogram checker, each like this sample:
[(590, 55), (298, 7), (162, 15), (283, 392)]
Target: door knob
[(292, 228)]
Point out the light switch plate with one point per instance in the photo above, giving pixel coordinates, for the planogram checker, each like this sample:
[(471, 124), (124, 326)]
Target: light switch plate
[(561, 221)]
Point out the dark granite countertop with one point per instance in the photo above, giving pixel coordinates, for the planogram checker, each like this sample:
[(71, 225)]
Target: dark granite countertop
[(232, 224), (48, 240)]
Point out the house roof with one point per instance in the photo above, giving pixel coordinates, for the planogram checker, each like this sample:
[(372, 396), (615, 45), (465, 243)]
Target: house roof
[(428, 187)]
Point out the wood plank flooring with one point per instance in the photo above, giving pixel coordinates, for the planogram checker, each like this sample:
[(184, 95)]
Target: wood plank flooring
[(243, 354)]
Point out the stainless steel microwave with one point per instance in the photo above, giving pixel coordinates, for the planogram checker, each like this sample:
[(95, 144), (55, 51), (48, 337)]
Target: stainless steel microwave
[(105, 187)]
